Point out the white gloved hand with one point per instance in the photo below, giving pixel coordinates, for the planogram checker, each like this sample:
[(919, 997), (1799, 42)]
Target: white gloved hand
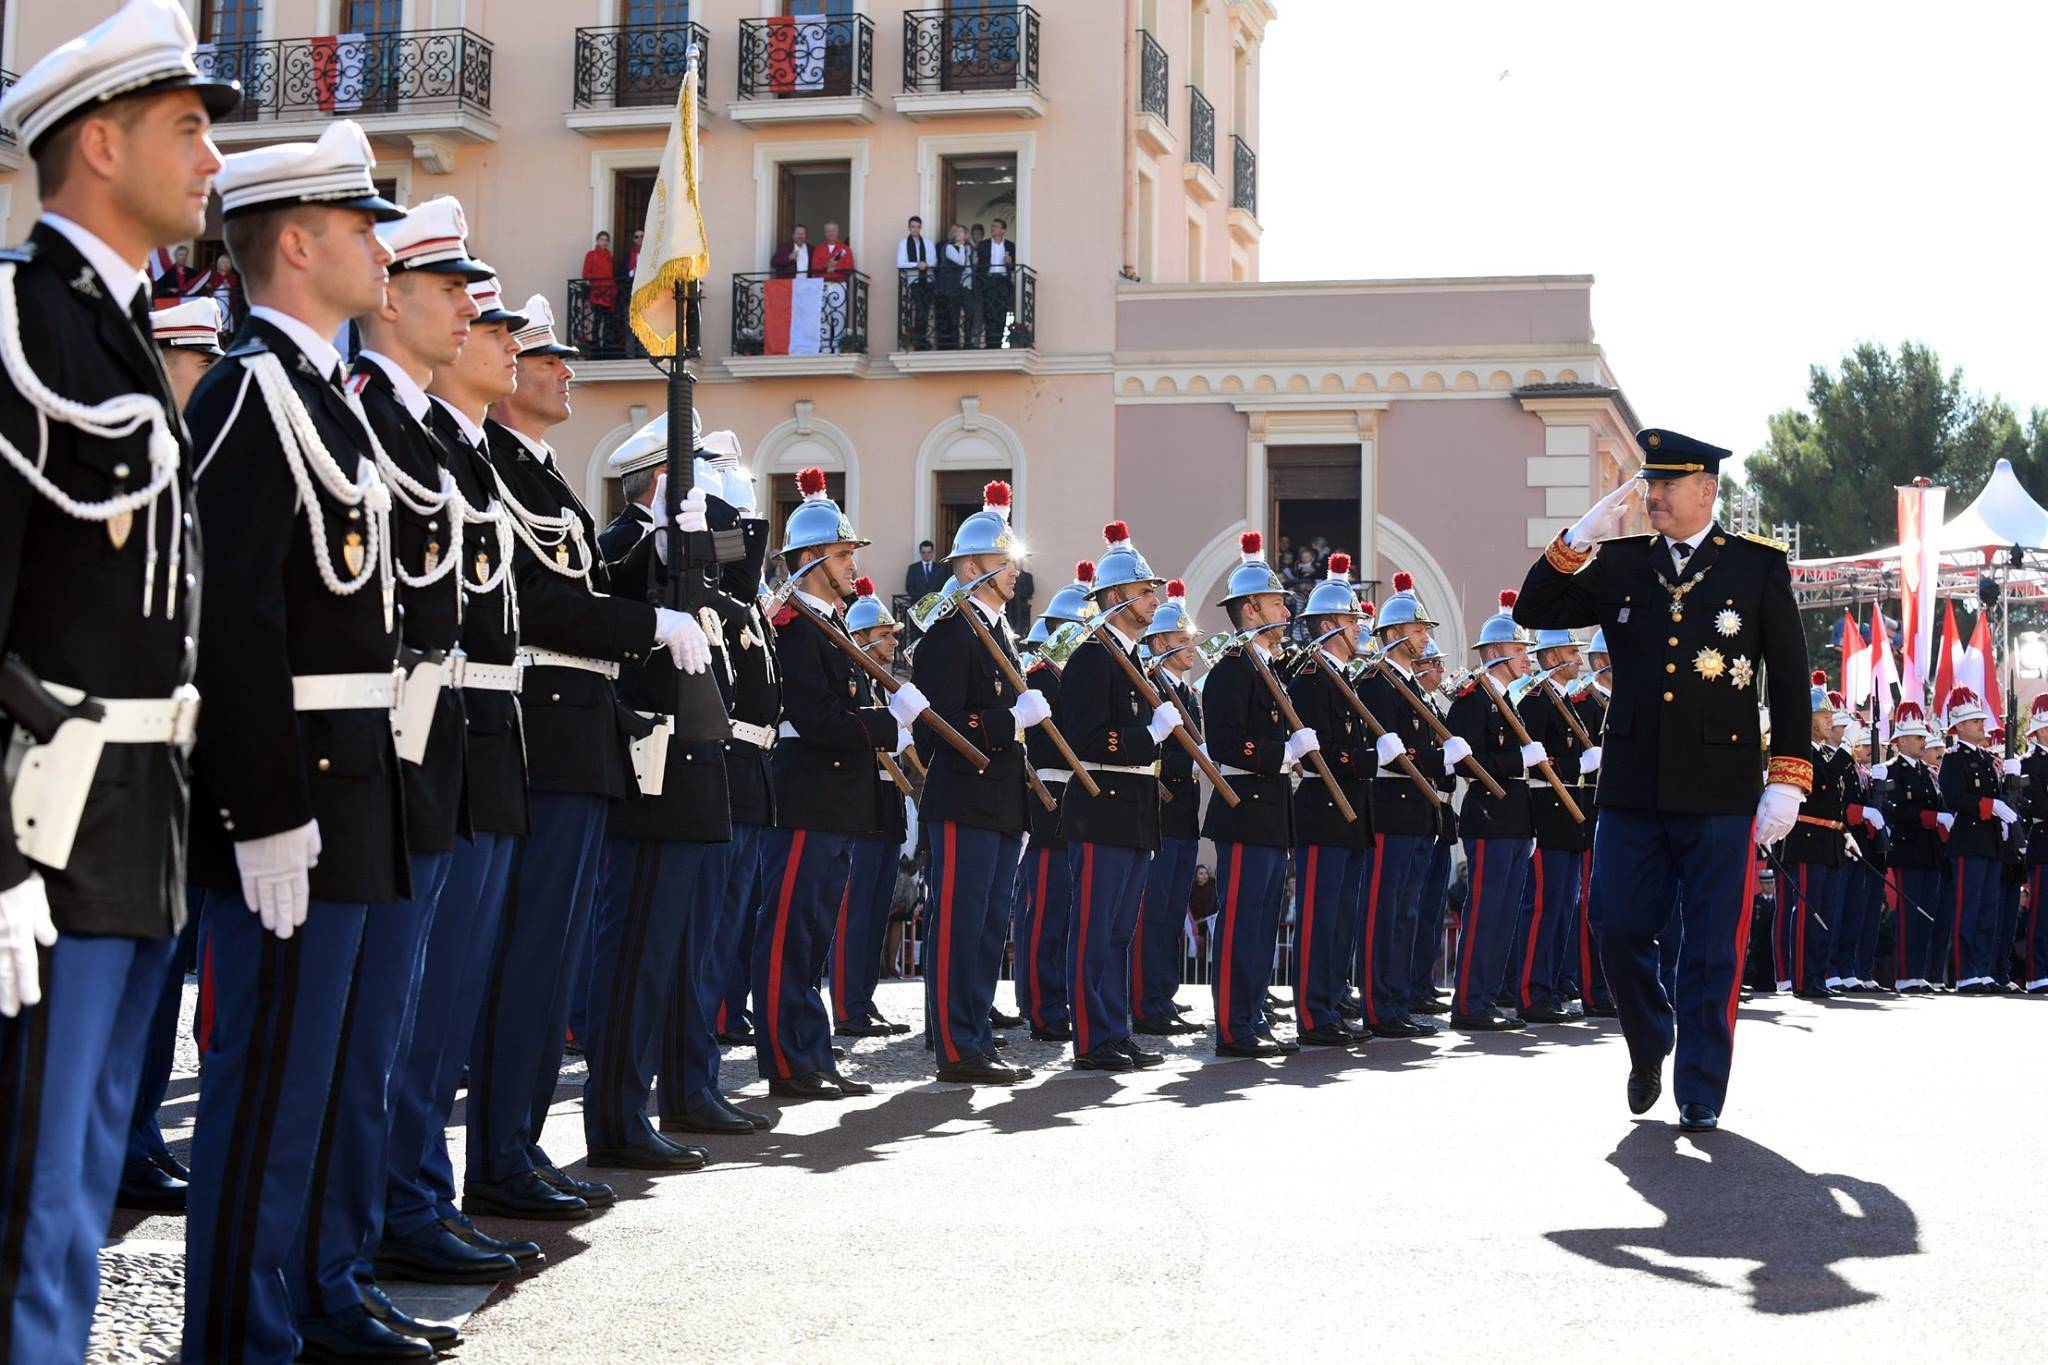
[(274, 872), (1031, 708), (690, 512), (1456, 751), (1878, 772), (1532, 754), (903, 741), (907, 704), (1388, 747), (1164, 718), (2004, 812), (1946, 819), (1589, 761), (2012, 767), (1873, 817), (658, 509), (684, 637), (1777, 812), (1603, 520), (24, 924), (1302, 742)]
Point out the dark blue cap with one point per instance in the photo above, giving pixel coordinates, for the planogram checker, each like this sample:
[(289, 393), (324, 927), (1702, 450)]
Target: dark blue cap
[(1673, 455)]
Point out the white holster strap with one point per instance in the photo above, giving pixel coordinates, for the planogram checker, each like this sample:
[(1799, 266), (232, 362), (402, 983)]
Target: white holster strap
[(140, 720), (346, 691), (760, 736), (1052, 775), (412, 720), (650, 753), (1229, 771), (1145, 770), (786, 731), (50, 785), (547, 658), (490, 677)]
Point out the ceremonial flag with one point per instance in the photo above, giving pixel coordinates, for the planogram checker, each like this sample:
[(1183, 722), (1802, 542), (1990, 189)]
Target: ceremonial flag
[(1979, 669), (159, 261), (338, 72), (1945, 666), (1884, 674), (796, 53), (1920, 508), (1855, 663), (793, 313), (674, 247)]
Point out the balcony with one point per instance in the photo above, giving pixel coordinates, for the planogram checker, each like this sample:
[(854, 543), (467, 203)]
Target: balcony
[(10, 149), (784, 326), (943, 331), (1155, 132), (432, 85), (630, 76), (597, 318), (806, 69), (1199, 170), (981, 62)]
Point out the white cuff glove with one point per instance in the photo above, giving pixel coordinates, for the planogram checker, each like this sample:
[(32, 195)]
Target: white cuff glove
[(1878, 772), (907, 704), (903, 741), (2012, 767), (1589, 761), (1031, 708), (690, 512), (2004, 812), (1456, 751), (1603, 520), (684, 637), (1388, 748), (274, 875), (1873, 817), (1946, 819), (1532, 754), (1300, 743), (1164, 718), (1777, 812), (24, 924), (658, 509)]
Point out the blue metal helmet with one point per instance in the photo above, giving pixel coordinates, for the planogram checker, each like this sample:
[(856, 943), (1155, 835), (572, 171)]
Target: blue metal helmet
[(1335, 595), (1174, 615), (1500, 628), (987, 532), (1071, 602), (1121, 563), (1598, 644), (1403, 608), (817, 520), (868, 610), (1254, 575), (1818, 692), (1432, 652), (1038, 634), (1553, 639)]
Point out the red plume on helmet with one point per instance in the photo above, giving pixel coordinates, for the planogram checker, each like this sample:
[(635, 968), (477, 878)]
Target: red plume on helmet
[(1117, 532), (1368, 610), (863, 586), (1340, 565), (1084, 571), (1507, 599), (1820, 677), (1250, 543), (995, 496), (1910, 710), (2040, 706), (811, 482), (1835, 700), (1176, 588), (1959, 696), (1404, 581)]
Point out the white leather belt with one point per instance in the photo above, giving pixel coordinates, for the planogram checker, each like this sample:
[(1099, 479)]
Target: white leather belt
[(1146, 771), (489, 677), (547, 658), (1229, 771), (345, 691), (140, 720), (1053, 774), (760, 736)]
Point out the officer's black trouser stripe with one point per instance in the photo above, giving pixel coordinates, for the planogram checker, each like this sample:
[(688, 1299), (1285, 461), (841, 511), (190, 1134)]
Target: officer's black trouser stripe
[(323, 1153), (483, 1051), (21, 1082), (625, 981), (278, 983)]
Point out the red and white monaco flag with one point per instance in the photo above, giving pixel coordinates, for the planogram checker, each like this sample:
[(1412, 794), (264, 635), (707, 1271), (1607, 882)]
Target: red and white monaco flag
[(1920, 509)]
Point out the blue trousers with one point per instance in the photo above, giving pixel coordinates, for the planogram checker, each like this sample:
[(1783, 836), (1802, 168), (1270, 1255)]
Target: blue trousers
[(2008, 925), (1808, 918), (1938, 968), (688, 1061), (1498, 867), (863, 924), (279, 1012), (1253, 878), (1856, 922), (1109, 882), (972, 874), (1642, 862), (1976, 896), (1157, 945), (1550, 892), (1592, 979), (2034, 967), (995, 939), (1327, 885), (1043, 929), (160, 1052), (804, 872), (68, 1070), (517, 1053), (1429, 924), (733, 954), (420, 1177), (1916, 923), (1391, 922)]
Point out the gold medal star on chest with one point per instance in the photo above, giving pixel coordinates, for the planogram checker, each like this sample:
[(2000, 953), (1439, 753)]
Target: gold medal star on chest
[(1709, 664), (1741, 671), (1728, 621)]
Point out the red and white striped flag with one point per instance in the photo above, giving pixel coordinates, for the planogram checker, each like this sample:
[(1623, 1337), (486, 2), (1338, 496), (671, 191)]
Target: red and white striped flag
[(1856, 673), (1920, 508), (1946, 679), (793, 316), (1979, 670), (1884, 673)]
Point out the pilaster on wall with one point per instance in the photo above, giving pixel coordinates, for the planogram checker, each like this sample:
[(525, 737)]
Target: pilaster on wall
[(1587, 452)]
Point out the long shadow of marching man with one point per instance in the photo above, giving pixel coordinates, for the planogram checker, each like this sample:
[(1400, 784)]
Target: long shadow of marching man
[(1745, 1202)]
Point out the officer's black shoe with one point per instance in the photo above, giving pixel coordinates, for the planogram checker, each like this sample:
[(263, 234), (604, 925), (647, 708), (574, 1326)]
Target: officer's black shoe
[(646, 1155), (1545, 1014), (1697, 1118), (978, 1069), (172, 1167), (1399, 1028), (1977, 988), (439, 1335), (434, 1255), (1425, 1023), (1104, 1058), (1140, 1058), (592, 1192), (1326, 1035), (759, 1121), (838, 1053), (1493, 1021), (848, 1028), (1430, 1007), (525, 1195), (708, 1117), (737, 1038), (1645, 1084), (1256, 1048), (526, 1254), (810, 1085), (352, 1334), (1001, 1041), (887, 1026), (848, 1087), (1287, 1047), (1059, 1034), (1602, 1012), (1177, 1007), (1156, 1027), (146, 1187), (1000, 1020), (1821, 994), (1277, 1008)]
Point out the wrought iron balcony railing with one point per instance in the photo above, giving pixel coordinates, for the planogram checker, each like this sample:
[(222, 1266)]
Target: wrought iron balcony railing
[(777, 315), (936, 314), (1244, 176), (638, 64), (1201, 129), (597, 319), (807, 57), (7, 79), (946, 50), (356, 73), (1151, 76)]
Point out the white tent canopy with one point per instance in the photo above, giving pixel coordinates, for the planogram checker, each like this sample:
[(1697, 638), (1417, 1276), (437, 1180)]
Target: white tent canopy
[(2003, 515)]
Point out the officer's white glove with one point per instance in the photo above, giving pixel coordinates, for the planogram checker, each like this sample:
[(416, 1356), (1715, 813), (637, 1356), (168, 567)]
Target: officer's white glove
[(684, 637), (274, 872), (1456, 751), (1164, 718), (1300, 743), (24, 924), (903, 741), (1031, 708), (1873, 817), (1589, 761), (2004, 812), (1389, 747), (658, 509), (1603, 520), (1878, 772), (907, 704), (1946, 819), (2012, 767), (1777, 812), (690, 512), (1532, 754)]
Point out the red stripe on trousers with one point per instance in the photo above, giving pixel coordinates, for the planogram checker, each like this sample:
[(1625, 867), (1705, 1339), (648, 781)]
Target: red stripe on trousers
[(1372, 914), (1742, 940), (1229, 936), (1586, 929), (1799, 934), (1895, 889), (2033, 922), (1078, 987), (1535, 928), (1308, 928), (945, 1001), (203, 1028), (1471, 929), (773, 1004), (839, 955), (1038, 923), (1138, 957), (1956, 938)]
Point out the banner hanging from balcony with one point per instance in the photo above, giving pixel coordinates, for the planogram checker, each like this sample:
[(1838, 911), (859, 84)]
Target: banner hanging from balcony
[(674, 248), (793, 316), (796, 54)]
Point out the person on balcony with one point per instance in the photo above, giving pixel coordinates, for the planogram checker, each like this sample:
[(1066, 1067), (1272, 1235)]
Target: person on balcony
[(914, 267), (956, 289), (995, 262), (832, 261), (601, 289), (793, 258)]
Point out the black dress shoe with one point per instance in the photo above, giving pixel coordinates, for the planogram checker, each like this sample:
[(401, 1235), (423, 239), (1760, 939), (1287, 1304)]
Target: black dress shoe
[(1257, 1048), (810, 1085), (1000, 1020), (352, 1334), (1602, 1012), (647, 1155), (1545, 1014), (1400, 1028), (979, 1069), (852, 1029), (1157, 1027), (1493, 1021), (1287, 1048), (1645, 1084), (592, 1192), (1001, 1041), (758, 1121), (1326, 1035), (526, 1254), (172, 1167), (1104, 1058), (147, 1187), (1140, 1058), (439, 1335), (838, 1053), (1430, 1007), (737, 1038), (434, 1255), (1977, 988), (1697, 1118), (887, 1026), (708, 1117), (525, 1195), (1061, 1034)]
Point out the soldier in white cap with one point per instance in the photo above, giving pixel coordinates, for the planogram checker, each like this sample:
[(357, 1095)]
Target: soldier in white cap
[(187, 337), (98, 608)]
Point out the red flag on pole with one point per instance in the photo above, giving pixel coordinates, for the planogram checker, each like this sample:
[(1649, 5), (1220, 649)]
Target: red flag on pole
[(1986, 668), (1945, 660), (1884, 676), (1920, 509), (1856, 674)]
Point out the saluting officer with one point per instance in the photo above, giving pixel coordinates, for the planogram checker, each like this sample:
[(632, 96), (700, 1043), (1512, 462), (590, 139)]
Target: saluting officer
[(1815, 851), (2034, 805), (1158, 943), (1913, 811), (1045, 915), (1972, 777), (1550, 890), (299, 821), (871, 867), (1693, 615), (95, 605)]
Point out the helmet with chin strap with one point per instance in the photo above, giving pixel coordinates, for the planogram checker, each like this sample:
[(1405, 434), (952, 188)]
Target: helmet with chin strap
[(1404, 608), (1253, 575), (1071, 602), (817, 519), (868, 610), (987, 532), (1120, 563), (1335, 595), (1174, 615), (1500, 628)]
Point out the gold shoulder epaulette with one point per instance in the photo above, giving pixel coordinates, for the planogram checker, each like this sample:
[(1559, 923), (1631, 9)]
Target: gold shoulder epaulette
[(1780, 546)]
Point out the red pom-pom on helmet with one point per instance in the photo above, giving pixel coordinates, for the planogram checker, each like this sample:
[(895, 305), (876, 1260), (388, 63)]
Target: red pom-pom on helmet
[(810, 482), (1116, 531), (1176, 588), (2040, 706), (1340, 564), (1910, 710), (1250, 542), (1961, 696), (1404, 581), (863, 586), (1820, 677), (995, 493), (1835, 700), (1367, 609), (1084, 571), (1507, 598)]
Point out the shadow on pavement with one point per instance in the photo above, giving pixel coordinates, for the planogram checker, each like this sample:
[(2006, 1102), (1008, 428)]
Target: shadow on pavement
[(1745, 1202)]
